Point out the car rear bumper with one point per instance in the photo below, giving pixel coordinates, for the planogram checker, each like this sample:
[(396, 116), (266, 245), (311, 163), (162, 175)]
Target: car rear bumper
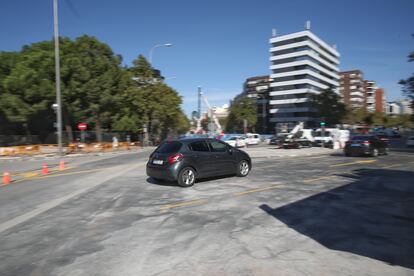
[(358, 150), (161, 172)]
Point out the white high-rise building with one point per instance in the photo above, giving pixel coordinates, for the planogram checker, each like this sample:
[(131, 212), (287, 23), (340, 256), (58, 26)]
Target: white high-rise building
[(301, 64)]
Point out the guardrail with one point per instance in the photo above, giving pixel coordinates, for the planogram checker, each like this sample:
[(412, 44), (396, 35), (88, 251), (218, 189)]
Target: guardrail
[(28, 150)]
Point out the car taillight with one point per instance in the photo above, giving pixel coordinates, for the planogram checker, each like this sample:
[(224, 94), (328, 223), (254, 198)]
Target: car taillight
[(366, 143), (175, 158)]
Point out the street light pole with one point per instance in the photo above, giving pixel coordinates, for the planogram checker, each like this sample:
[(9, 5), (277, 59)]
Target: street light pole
[(57, 73), (156, 46)]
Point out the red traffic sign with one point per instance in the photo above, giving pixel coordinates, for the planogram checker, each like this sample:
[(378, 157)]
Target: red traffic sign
[(82, 126)]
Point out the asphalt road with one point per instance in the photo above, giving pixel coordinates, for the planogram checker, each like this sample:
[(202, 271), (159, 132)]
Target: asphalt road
[(318, 215)]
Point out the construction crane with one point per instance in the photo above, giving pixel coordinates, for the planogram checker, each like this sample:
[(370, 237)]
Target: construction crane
[(214, 126)]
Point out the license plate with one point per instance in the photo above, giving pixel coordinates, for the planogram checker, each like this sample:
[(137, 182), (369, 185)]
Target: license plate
[(355, 145), (157, 162)]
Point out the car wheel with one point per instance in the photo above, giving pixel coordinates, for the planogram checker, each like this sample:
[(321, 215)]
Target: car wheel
[(186, 177), (243, 168), (374, 152)]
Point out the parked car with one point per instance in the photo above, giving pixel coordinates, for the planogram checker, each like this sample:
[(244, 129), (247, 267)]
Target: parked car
[(388, 132), (366, 145), (187, 160), (410, 141), (265, 138), (236, 141), (252, 138)]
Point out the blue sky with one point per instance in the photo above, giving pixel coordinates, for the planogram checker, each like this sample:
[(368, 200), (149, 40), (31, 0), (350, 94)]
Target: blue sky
[(218, 44)]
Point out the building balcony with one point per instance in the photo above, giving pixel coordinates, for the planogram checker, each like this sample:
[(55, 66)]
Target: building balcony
[(305, 53), (262, 88), (305, 72), (310, 63), (290, 119), (307, 43), (288, 101), (361, 100), (293, 91), (357, 93), (288, 110), (309, 34), (300, 81)]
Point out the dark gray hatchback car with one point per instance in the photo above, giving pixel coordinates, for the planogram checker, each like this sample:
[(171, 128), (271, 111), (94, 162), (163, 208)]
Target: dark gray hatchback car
[(186, 160)]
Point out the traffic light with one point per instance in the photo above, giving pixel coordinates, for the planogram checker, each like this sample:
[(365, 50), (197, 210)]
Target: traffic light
[(322, 124)]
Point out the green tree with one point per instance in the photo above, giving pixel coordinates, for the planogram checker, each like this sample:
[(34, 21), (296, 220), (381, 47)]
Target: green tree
[(28, 89), (147, 100), (93, 82), (328, 105), (356, 116), (8, 61), (408, 84), (245, 109), (90, 81)]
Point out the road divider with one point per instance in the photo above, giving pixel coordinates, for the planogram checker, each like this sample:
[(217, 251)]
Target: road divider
[(310, 180), (354, 163), (391, 166), (185, 203), (257, 190)]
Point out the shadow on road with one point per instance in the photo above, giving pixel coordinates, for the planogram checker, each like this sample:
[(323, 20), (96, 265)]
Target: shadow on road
[(372, 217), (200, 180)]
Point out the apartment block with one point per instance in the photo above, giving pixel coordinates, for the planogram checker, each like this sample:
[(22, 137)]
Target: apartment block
[(370, 88), (399, 107), (258, 88), (302, 64), (380, 100), (352, 88)]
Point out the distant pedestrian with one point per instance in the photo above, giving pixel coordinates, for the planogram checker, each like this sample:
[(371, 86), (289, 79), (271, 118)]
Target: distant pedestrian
[(114, 143)]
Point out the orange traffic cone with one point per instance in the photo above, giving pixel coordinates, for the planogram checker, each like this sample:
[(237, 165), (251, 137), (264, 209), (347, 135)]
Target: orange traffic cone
[(61, 165), (6, 178), (45, 170)]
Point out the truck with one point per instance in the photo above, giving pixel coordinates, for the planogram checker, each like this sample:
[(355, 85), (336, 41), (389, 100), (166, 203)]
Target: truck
[(297, 138), (330, 136)]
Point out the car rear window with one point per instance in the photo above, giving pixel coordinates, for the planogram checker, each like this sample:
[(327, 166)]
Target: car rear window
[(199, 146), (169, 147)]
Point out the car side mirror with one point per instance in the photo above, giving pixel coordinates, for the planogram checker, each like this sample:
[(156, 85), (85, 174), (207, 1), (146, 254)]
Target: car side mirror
[(230, 150)]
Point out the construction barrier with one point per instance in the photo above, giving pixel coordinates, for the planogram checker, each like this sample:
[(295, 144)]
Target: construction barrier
[(71, 148)]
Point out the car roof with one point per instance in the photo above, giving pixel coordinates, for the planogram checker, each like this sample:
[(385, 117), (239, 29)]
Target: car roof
[(191, 139)]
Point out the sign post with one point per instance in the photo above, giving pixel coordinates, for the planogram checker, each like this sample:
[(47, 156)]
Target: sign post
[(323, 133), (82, 127)]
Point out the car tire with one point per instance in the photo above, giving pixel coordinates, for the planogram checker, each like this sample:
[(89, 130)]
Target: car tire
[(374, 152), (386, 151), (186, 177), (243, 168), (347, 154)]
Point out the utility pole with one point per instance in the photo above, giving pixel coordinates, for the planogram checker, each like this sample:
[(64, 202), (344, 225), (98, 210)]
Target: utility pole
[(199, 103), (57, 73)]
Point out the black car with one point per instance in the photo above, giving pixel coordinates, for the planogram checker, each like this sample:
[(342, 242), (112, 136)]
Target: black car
[(185, 160), (366, 145)]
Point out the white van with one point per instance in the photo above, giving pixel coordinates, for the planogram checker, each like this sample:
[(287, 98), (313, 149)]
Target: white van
[(252, 139)]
